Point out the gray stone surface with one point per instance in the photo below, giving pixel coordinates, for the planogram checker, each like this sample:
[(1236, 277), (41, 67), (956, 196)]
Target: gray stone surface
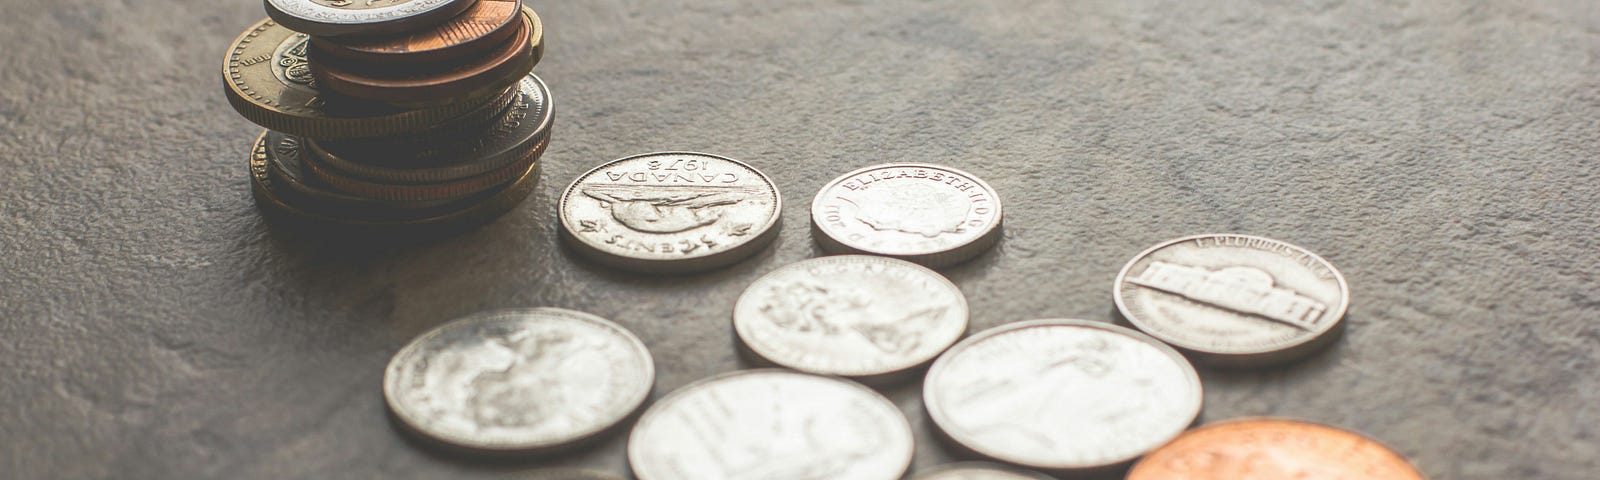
[(1442, 153)]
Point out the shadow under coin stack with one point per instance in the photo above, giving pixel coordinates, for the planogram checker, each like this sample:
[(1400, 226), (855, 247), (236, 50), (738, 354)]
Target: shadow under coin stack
[(389, 116)]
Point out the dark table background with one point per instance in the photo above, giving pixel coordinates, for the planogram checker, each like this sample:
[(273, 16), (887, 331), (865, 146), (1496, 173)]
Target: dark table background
[(1442, 153)]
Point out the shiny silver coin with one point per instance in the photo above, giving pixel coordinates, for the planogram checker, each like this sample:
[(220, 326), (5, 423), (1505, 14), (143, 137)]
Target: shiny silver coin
[(771, 424), (1234, 299), (1062, 395), (978, 471), (929, 214), (525, 380), (852, 315), (331, 18), (671, 212)]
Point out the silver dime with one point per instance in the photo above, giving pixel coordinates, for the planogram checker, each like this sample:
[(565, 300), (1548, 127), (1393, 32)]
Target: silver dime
[(978, 471), (1062, 395), (852, 315), (671, 212), (519, 380), (1234, 299), (928, 214), (771, 425), (362, 17)]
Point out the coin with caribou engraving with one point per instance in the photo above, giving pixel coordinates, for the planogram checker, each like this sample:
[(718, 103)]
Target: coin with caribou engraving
[(332, 18), (869, 318), (978, 471), (486, 24), (929, 214), (1272, 449), (510, 381), (670, 212), (1066, 396), (771, 424), (1234, 300)]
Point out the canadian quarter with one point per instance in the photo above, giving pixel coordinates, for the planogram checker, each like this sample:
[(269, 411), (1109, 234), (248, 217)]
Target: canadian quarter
[(1062, 395), (929, 214), (771, 424), (851, 315), (333, 18), (978, 471), (526, 380), (1234, 299)]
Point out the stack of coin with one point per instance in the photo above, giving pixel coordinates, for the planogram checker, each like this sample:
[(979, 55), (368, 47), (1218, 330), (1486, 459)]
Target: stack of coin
[(387, 115)]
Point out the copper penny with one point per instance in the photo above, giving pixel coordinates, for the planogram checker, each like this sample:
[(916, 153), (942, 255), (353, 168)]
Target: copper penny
[(1272, 449), (482, 76), (480, 28)]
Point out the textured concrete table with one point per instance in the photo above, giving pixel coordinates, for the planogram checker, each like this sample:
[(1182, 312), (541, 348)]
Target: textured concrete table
[(1442, 153)]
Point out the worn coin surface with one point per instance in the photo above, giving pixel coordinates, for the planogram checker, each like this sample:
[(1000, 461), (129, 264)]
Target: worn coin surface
[(978, 471), (771, 424), (929, 214), (1234, 299), (473, 78), (362, 17), (851, 315), (1272, 449), (670, 212), (1062, 395), (519, 380), (487, 23)]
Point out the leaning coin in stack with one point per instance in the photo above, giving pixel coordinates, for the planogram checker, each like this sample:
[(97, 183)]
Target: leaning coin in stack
[(933, 215)]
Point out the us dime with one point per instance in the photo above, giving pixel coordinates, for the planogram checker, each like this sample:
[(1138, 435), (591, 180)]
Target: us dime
[(1062, 395), (852, 315), (670, 212), (978, 471), (771, 424), (1270, 448), (1234, 299), (928, 214), (519, 380), (362, 17)]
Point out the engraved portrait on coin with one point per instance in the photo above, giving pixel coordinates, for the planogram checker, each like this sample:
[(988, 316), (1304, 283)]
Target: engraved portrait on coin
[(670, 212), (928, 214), (1234, 299)]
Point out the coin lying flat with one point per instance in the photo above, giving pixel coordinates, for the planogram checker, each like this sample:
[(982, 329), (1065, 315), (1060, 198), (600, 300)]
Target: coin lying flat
[(285, 159), (413, 87), (771, 424), (487, 23), (1234, 299), (1272, 449), (1062, 395), (929, 214), (670, 212), (978, 471), (851, 315), (362, 17), (519, 380)]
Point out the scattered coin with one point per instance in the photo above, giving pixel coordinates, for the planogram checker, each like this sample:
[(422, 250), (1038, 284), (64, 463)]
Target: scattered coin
[(771, 424), (1062, 395), (363, 17), (1234, 299), (526, 380), (670, 212), (929, 214), (1272, 449), (477, 77), (851, 315), (487, 23), (978, 471)]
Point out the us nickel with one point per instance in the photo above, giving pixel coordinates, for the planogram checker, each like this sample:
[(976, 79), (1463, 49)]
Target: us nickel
[(929, 214)]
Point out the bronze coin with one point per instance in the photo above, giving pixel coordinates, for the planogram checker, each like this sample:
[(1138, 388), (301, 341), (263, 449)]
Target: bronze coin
[(488, 75), (486, 24), (1272, 449)]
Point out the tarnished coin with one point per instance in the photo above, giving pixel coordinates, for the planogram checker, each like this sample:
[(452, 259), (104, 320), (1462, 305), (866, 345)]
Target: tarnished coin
[(1272, 449), (524, 380), (362, 17), (1234, 299), (929, 214), (851, 315), (432, 86), (1062, 395), (671, 212), (487, 23), (978, 471), (267, 78), (771, 424)]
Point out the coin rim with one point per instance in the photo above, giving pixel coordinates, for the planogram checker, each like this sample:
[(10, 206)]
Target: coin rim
[(510, 61), (306, 17), (931, 259), (361, 50), (1280, 420), (928, 473)]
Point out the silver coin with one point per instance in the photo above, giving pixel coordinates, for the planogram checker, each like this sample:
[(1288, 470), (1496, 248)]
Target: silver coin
[(1234, 299), (572, 474), (978, 471), (1062, 395), (852, 315), (524, 380), (929, 214), (671, 212), (771, 425), (362, 17)]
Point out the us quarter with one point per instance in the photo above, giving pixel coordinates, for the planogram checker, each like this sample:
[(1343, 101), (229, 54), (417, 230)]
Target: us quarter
[(978, 471), (333, 18), (670, 212), (1234, 299), (929, 214), (771, 424), (1066, 396), (526, 380), (852, 315)]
